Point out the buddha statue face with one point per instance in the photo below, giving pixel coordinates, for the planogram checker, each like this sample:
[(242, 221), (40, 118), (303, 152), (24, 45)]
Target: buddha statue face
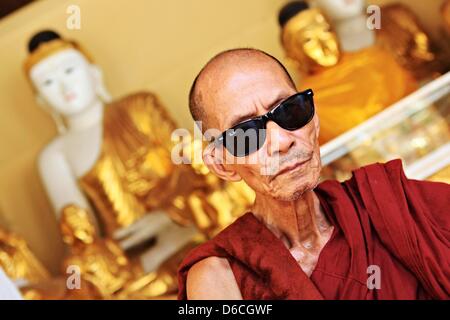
[(63, 75), (76, 226), (341, 9), (308, 39), (65, 81)]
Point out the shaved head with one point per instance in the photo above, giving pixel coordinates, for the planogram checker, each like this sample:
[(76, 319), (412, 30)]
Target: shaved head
[(219, 71), (242, 84)]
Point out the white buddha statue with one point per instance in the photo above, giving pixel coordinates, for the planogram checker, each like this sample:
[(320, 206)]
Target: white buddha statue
[(113, 159), (69, 85)]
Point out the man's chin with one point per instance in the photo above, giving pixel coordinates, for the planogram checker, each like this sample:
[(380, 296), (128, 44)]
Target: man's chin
[(297, 193), (292, 196)]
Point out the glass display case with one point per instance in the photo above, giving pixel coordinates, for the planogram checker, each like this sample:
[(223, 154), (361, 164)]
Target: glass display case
[(416, 129)]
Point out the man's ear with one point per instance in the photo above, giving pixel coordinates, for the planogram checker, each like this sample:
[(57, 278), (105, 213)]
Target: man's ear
[(213, 158)]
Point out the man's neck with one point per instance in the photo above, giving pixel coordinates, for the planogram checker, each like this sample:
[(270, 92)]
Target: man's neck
[(301, 222)]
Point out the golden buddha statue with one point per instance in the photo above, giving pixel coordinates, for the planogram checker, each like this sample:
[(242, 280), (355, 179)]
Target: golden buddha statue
[(350, 86), (404, 36), (103, 263), (32, 278), (112, 159), (18, 262), (307, 38)]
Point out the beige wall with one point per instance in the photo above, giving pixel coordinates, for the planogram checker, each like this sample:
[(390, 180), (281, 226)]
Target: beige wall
[(152, 45)]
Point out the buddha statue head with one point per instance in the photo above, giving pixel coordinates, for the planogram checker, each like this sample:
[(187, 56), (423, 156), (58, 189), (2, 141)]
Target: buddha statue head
[(64, 77), (307, 37), (337, 10), (76, 227)]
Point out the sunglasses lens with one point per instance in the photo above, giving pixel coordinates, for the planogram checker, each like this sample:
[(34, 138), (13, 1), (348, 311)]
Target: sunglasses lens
[(249, 136), (245, 138), (294, 113)]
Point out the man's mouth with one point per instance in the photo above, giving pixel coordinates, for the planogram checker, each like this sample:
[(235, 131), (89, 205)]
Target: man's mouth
[(290, 168)]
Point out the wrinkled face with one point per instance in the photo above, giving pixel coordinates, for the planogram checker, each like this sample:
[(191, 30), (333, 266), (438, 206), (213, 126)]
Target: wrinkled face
[(65, 82), (341, 9), (288, 163), (308, 39)]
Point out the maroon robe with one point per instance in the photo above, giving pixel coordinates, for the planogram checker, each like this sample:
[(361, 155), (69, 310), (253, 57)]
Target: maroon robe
[(380, 218)]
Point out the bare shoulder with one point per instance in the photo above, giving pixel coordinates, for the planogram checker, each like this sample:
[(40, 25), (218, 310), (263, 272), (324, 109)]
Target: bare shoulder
[(212, 278)]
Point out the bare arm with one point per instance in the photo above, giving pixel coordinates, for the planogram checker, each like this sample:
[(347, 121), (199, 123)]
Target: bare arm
[(212, 279)]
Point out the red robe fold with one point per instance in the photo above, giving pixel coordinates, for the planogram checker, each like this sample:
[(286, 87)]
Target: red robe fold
[(381, 218)]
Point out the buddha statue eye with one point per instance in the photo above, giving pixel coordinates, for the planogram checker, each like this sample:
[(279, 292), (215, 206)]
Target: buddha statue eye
[(69, 70), (48, 82)]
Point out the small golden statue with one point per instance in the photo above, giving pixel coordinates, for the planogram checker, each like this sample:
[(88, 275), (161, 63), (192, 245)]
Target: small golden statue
[(102, 263), (307, 38), (32, 278), (403, 35), (350, 86), (18, 262)]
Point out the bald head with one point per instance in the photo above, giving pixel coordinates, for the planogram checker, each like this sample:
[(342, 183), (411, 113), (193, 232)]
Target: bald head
[(219, 72)]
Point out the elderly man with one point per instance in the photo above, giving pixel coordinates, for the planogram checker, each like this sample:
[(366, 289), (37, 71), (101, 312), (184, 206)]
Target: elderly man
[(378, 235)]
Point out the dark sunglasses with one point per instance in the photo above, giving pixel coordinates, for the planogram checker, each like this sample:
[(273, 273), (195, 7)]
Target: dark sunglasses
[(249, 136)]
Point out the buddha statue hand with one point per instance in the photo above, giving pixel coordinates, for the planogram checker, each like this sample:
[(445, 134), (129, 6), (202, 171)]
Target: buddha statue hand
[(143, 229), (169, 237)]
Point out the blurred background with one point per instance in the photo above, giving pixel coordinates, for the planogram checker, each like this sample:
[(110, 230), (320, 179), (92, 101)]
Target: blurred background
[(158, 47)]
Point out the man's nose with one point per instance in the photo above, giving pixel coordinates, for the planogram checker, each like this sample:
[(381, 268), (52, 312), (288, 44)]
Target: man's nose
[(279, 140)]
